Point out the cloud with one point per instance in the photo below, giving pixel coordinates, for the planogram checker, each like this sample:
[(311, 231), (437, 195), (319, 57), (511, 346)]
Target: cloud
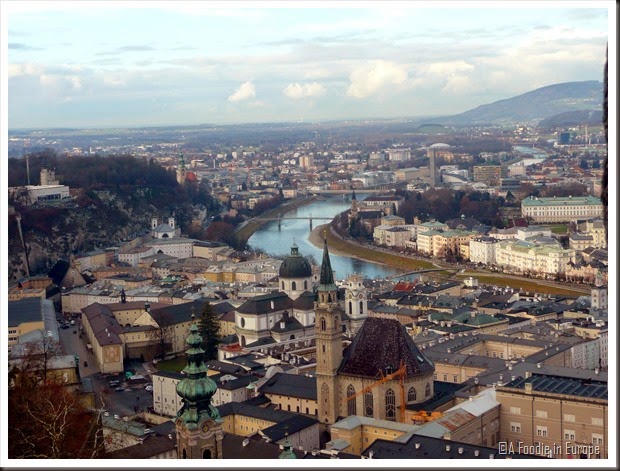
[(244, 92), (23, 47), (370, 79), (296, 91)]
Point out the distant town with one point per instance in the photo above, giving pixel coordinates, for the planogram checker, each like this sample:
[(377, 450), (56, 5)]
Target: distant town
[(159, 330)]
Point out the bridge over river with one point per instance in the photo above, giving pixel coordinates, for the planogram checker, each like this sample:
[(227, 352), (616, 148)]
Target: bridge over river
[(280, 219)]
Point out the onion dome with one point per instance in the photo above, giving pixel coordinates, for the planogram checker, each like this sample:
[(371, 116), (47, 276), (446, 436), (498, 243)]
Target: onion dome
[(196, 389), (295, 266), (288, 453)]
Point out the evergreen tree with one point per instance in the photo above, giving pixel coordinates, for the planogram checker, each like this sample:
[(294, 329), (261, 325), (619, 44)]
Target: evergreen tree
[(209, 329)]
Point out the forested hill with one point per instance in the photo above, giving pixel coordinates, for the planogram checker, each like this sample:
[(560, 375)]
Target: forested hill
[(115, 197)]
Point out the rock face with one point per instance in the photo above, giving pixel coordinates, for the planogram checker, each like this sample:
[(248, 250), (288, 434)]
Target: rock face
[(53, 233)]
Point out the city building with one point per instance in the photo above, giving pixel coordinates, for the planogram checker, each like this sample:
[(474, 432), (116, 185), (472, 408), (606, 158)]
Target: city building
[(561, 209), (556, 416), (524, 257)]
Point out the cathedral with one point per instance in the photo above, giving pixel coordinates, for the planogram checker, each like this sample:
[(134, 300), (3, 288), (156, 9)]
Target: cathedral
[(289, 314), (378, 375)]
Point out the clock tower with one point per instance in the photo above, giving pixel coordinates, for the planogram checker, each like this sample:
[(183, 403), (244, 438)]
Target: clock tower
[(355, 301), (198, 423)]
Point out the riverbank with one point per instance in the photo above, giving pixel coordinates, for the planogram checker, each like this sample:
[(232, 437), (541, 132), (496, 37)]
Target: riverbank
[(245, 232), (341, 247)]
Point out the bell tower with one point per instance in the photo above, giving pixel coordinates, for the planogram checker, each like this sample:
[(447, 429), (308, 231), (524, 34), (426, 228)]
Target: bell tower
[(198, 423), (356, 303), (328, 331)]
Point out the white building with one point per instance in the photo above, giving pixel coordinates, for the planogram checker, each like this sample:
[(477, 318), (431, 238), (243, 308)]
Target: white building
[(562, 209), (482, 250), (523, 256)]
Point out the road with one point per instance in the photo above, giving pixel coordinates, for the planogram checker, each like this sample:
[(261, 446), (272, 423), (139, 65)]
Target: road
[(123, 403)]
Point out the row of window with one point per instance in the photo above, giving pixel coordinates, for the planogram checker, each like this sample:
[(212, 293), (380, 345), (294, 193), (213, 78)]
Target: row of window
[(567, 417), (390, 401), (542, 431)]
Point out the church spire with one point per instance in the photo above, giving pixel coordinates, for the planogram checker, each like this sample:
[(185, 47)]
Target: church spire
[(196, 389), (326, 281)]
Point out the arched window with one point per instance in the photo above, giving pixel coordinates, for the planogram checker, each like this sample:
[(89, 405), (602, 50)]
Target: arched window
[(323, 324), (351, 403), (361, 307), (292, 337), (243, 340), (350, 307), (390, 405), (412, 395), (282, 284), (305, 284), (242, 322), (368, 409), (293, 286), (427, 392), (206, 455)]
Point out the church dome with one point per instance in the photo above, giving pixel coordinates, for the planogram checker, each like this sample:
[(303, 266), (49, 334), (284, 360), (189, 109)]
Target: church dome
[(295, 266)]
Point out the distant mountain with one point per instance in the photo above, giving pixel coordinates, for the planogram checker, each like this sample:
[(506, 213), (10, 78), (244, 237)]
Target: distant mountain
[(534, 106), (573, 118)]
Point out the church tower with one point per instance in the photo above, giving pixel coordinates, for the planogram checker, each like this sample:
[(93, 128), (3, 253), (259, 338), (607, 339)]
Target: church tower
[(356, 303), (198, 423), (353, 214), (328, 331), (181, 171)]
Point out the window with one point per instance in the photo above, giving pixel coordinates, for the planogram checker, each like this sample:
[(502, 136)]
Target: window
[(435, 376), (390, 405), (368, 408), (597, 421), (294, 286), (351, 403), (569, 418), (412, 395), (242, 322), (361, 307), (445, 377), (350, 307), (455, 378), (515, 410), (323, 324), (282, 284), (569, 435), (597, 439), (541, 431), (305, 284), (541, 413), (515, 427), (427, 391)]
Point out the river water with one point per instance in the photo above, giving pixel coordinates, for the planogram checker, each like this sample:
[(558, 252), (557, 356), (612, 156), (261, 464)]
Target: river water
[(277, 243)]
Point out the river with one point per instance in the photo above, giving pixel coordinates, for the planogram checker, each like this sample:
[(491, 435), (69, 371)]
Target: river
[(277, 243)]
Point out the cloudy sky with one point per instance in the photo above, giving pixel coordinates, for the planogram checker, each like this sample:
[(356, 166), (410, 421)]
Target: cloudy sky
[(91, 64)]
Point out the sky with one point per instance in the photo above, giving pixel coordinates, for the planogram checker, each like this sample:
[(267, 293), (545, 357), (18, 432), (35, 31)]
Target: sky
[(109, 64)]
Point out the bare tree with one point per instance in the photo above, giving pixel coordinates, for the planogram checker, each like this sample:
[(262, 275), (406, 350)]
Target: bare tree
[(163, 331)]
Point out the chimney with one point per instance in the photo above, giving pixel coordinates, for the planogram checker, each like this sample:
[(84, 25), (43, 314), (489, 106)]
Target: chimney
[(460, 450), (476, 452), (528, 388), (370, 455), (246, 442), (492, 456), (447, 447), (596, 370), (417, 445), (538, 365), (170, 436)]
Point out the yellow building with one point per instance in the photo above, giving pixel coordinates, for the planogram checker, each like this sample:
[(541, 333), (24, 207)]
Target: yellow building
[(28, 315)]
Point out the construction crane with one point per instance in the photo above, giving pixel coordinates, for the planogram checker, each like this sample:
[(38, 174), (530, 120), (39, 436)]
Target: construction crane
[(400, 373)]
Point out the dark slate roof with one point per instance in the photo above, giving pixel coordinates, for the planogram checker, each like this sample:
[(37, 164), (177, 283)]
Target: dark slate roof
[(170, 374), (305, 301), (238, 383), (303, 387), (290, 426), (290, 324), (224, 367), (152, 445), (223, 307), (249, 410), (58, 271), (381, 344), (261, 341), (250, 448), (561, 385), (433, 448), (295, 265), (262, 304), (177, 313), (25, 310)]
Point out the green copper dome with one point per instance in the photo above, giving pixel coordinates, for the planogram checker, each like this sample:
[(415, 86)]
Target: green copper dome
[(288, 453), (196, 389)]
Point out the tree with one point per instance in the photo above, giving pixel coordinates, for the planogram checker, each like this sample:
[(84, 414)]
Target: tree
[(209, 329), (162, 332)]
